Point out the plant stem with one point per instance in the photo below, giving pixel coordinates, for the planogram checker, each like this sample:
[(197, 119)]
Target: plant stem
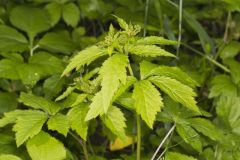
[(207, 57), (163, 141), (139, 137), (229, 17), (180, 26), (85, 151), (145, 18), (82, 143)]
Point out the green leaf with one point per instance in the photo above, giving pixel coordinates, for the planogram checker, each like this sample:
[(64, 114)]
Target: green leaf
[(54, 10), (124, 87), (30, 19), (115, 121), (205, 127), (176, 90), (122, 23), (206, 42), (228, 112), (175, 73), (147, 101), (147, 50), (145, 68), (8, 102), (38, 103), (190, 136), (77, 120), (57, 42), (85, 56), (96, 107), (29, 125), (230, 50), (9, 157), (11, 117), (53, 86), (222, 85), (112, 72), (178, 156), (59, 123), (234, 69), (8, 69), (45, 147), (11, 39), (71, 14), (49, 63), (155, 40), (65, 94)]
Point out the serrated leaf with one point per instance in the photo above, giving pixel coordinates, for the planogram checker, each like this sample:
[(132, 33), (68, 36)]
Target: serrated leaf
[(54, 10), (77, 120), (79, 99), (122, 23), (57, 42), (113, 71), (29, 19), (115, 121), (9, 157), (53, 85), (178, 156), (45, 147), (49, 63), (228, 112), (234, 69), (65, 93), (8, 69), (85, 56), (124, 87), (11, 39), (147, 101), (71, 14), (96, 107), (39, 103), (190, 136), (59, 123), (230, 50), (155, 40), (145, 68), (176, 90), (222, 85), (8, 102), (11, 117), (205, 127), (175, 73), (29, 125), (147, 50)]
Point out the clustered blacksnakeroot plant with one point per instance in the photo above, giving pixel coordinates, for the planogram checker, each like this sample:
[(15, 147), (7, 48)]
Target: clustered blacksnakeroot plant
[(120, 97), (100, 93)]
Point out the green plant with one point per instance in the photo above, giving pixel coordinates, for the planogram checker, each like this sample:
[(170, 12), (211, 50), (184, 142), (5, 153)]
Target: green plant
[(71, 87)]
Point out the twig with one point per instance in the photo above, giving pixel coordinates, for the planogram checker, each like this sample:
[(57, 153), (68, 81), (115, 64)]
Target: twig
[(163, 141)]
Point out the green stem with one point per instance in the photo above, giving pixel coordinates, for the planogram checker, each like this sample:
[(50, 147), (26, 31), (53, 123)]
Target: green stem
[(229, 17), (145, 18), (180, 26), (139, 138), (82, 143), (85, 151), (208, 58)]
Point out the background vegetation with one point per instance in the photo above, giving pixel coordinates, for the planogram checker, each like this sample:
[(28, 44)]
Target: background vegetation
[(43, 105)]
